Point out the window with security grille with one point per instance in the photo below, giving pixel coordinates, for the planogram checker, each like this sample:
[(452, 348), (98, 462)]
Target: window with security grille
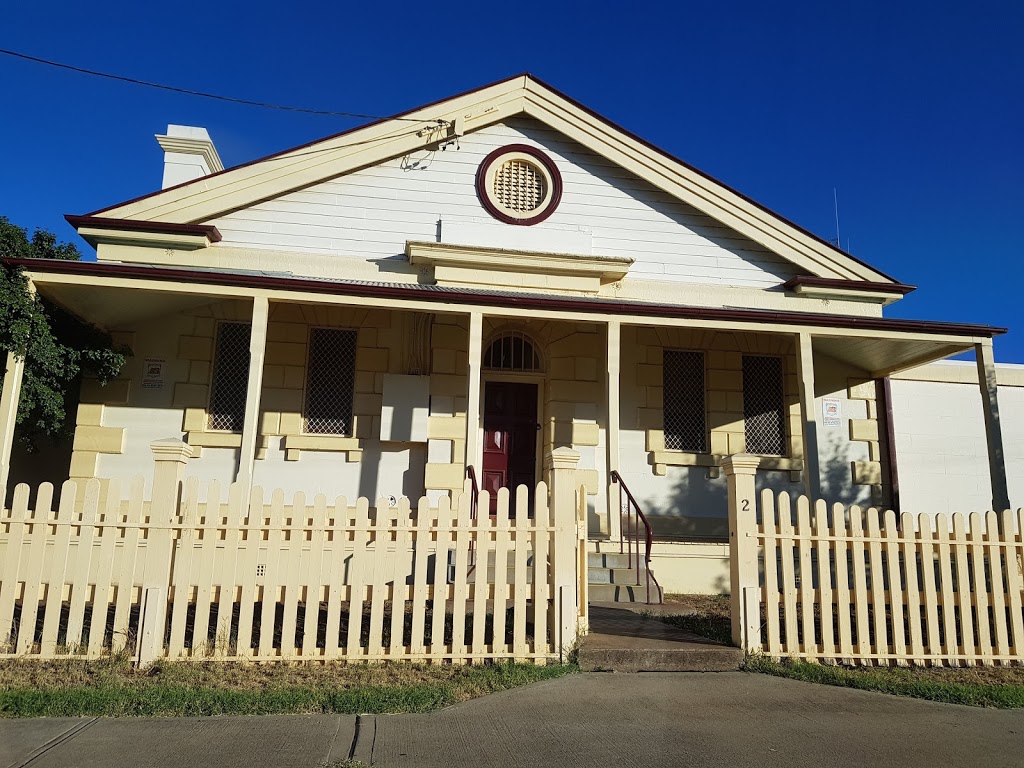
[(230, 377), (684, 406), (330, 380), (512, 351), (764, 412)]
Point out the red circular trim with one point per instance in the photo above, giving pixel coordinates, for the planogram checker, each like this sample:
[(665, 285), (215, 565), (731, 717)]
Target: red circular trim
[(540, 157)]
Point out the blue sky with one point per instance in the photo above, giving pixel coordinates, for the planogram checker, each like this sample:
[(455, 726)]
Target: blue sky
[(914, 111)]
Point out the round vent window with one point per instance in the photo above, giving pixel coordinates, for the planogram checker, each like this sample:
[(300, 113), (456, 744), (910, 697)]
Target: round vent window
[(519, 184)]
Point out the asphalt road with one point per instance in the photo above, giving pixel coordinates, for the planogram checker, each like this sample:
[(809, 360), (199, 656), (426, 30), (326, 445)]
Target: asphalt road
[(598, 719)]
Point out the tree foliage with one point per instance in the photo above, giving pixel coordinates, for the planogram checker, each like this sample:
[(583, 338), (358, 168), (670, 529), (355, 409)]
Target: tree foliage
[(58, 348)]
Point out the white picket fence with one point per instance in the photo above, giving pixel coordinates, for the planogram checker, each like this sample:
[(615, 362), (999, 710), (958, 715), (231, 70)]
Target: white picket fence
[(861, 586), (259, 579)]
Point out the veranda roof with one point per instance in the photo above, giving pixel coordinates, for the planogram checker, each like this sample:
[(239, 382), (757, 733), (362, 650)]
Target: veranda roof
[(112, 295)]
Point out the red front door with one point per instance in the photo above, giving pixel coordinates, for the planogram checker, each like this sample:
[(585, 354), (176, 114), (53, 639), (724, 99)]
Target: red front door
[(510, 437)]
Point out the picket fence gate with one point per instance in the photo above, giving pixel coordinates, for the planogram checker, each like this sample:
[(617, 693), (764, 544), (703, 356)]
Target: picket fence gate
[(248, 577)]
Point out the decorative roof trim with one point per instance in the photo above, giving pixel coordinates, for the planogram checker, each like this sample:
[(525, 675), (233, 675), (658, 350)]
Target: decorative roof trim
[(188, 237), (163, 227), (186, 145), (607, 268), (235, 188), (854, 290), (808, 281)]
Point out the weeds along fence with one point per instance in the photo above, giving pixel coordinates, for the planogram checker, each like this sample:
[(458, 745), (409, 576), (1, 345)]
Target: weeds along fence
[(863, 586), (222, 576)]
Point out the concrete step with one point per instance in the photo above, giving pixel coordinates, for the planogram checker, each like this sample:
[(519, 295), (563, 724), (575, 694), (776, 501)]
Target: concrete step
[(621, 640), (609, 560), (593, 657), (596, 575), (620, 593)]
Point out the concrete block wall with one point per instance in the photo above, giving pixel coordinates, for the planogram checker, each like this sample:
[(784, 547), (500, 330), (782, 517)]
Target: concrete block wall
[(446, 427), (284, 377), (642, 387), (684, 493), (116, 423), (574, 397), (95, 436), (869, 473)]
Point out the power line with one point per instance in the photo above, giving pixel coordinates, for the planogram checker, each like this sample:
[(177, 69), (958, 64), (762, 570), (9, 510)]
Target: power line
[(218, 97)]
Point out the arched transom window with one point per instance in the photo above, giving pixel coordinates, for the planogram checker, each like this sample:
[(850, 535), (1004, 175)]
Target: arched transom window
[(512, 351)]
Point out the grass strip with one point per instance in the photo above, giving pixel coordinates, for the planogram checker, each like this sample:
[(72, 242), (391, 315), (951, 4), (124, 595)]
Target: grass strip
[(190, 689), (949, 686)]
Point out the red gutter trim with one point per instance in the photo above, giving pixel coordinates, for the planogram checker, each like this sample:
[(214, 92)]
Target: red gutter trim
[(341, 288), (578, 105), (161, 227), (848, 285)]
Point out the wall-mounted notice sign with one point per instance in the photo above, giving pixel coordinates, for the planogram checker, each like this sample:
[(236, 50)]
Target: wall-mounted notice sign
[(832, 411), (153, 373)]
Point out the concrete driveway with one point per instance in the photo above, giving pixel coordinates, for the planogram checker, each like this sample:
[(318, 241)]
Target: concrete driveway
[(595, 719)]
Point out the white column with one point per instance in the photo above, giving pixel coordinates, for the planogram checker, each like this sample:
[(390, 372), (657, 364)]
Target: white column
[(250, 425), (8, 416), (612, 422), (740, 472), (993, 429), (474, 449), (9, 398), (805, 362)]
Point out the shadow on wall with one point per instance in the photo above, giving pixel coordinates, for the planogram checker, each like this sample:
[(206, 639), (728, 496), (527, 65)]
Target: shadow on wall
[(696, 508), (837, 479), (50, 462)]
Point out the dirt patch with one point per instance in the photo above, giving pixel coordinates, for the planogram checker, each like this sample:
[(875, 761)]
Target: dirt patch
[(704, 615), (712, 605)]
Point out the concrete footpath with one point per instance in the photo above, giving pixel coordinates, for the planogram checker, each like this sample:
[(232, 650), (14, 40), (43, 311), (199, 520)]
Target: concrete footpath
[(594, 719)]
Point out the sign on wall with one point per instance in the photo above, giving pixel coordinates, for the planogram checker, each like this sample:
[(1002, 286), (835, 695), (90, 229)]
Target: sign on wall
[(153, 373), (831, 411)]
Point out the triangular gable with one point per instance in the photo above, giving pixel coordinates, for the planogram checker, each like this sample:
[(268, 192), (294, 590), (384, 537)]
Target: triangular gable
[(212, 196)]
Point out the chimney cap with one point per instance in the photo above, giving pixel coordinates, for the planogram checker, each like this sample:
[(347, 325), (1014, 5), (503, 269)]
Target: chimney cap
[(191, 140)]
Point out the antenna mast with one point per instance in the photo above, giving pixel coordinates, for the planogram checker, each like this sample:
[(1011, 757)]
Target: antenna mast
[(835, 201)]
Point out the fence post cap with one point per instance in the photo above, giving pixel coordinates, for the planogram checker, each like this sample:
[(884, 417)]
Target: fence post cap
[(741, 464), (171, 449), (562, 458)]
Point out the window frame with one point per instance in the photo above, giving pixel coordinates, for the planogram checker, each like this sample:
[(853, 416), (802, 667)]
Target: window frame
[(785, 437), (706, 436), (215, 358), (352, 384), (512, 334)]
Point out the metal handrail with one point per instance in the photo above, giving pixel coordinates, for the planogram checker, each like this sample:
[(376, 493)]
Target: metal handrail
[(474, 500), (628, 535), (475, 488)]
